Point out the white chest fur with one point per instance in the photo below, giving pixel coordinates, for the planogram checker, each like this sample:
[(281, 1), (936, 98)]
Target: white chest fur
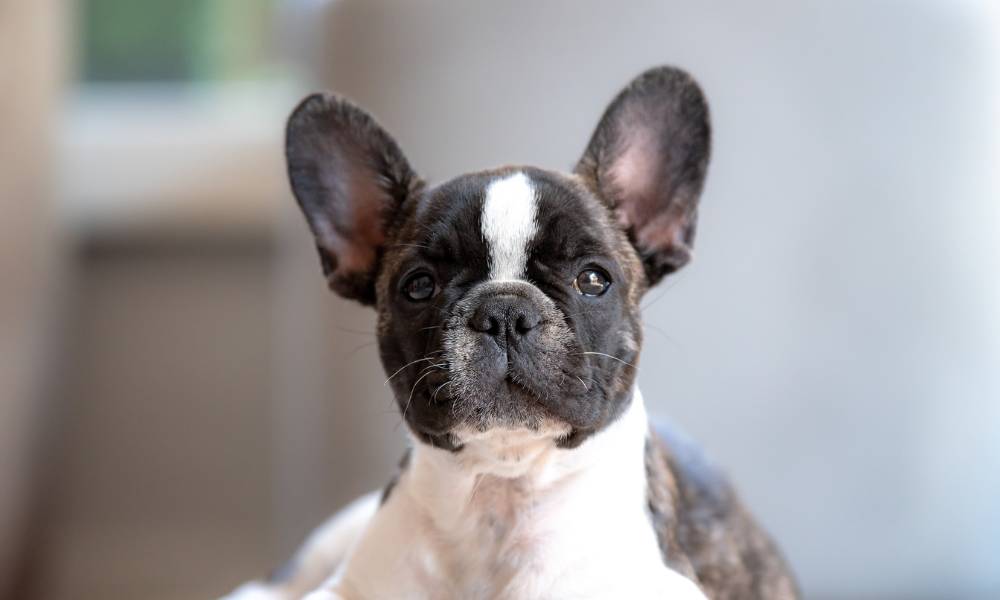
[(530, 522)]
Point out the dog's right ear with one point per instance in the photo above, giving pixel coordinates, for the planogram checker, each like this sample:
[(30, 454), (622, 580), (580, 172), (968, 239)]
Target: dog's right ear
[(647, 159), (349, 177)]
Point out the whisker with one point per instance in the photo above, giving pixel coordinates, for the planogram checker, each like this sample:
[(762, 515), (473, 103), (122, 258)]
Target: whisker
[(624, 362), (413, 389), (434, 366), (661, 331), (666, 289), (400, 369), (434, 395), (357, 349)]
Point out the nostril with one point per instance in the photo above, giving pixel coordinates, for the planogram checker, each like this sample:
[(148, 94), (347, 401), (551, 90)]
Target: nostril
[(485, 324), (479, 323), (526, 322)]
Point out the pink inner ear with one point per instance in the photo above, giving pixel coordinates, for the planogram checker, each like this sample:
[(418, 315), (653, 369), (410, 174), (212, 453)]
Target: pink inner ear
[(642, 205), (359, 231), (634, 176)]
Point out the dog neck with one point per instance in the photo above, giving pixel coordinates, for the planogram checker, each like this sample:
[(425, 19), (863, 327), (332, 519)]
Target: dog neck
[(513, 516), (501, 472)]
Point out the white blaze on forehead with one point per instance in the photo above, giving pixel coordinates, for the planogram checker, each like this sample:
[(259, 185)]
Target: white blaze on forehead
[(509, 225)]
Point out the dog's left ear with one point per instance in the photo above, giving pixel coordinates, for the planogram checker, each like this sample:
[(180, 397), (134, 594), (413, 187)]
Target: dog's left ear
[(647, 159), (350, 178)]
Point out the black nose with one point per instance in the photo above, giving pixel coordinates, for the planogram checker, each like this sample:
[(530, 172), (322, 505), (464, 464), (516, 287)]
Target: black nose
[(506, 317)]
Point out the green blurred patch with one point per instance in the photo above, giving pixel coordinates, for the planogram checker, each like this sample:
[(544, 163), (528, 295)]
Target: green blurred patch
[(175, 40)]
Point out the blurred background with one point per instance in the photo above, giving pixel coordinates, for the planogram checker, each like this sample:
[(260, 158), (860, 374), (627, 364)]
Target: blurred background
[(181, 400)]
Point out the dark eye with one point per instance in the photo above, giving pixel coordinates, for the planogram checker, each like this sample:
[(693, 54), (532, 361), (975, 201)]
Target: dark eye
[(592, 282), (419, 287)]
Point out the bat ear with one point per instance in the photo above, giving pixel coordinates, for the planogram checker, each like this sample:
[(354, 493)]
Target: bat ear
[(349, 177), (647, 160)]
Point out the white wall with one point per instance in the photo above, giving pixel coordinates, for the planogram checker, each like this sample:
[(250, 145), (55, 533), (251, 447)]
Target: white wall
[(836, 342)]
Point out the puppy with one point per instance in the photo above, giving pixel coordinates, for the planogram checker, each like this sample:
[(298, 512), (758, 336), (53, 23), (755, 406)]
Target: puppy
[(510, 329)]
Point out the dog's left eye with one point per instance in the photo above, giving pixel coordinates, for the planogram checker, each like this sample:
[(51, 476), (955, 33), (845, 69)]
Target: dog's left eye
[(419, 287), (592, 282)]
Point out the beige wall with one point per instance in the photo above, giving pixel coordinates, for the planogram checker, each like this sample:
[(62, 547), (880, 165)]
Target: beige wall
[(30, 76)]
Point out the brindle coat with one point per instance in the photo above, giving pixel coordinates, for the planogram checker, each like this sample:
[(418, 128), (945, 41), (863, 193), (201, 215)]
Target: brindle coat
[(704, 530)]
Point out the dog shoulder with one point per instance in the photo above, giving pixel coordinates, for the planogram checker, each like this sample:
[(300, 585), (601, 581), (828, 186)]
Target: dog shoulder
[(703, 529), (318, 557)]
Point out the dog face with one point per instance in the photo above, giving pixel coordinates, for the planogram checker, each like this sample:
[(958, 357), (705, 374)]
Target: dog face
[(507, 299), (512, 293)]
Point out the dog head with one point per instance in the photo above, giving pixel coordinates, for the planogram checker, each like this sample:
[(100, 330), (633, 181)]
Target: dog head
[(509, 298)]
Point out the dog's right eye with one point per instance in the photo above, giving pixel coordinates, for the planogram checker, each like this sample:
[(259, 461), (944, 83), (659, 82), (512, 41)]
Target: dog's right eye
[(419, 287), (592, 282)]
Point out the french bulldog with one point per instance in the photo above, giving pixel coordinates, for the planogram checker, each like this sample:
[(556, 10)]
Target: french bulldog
[(510, 329)]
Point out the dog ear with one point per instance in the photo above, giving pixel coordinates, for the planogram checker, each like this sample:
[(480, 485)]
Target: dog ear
[(349, 177), (647, 160)]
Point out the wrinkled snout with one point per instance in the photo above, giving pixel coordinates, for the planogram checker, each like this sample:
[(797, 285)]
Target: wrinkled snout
[(507, 344)]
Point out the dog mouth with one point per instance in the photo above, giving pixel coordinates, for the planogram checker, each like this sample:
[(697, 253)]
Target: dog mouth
[(510, 399), (505, 437), (556, 395), (482, 377)]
